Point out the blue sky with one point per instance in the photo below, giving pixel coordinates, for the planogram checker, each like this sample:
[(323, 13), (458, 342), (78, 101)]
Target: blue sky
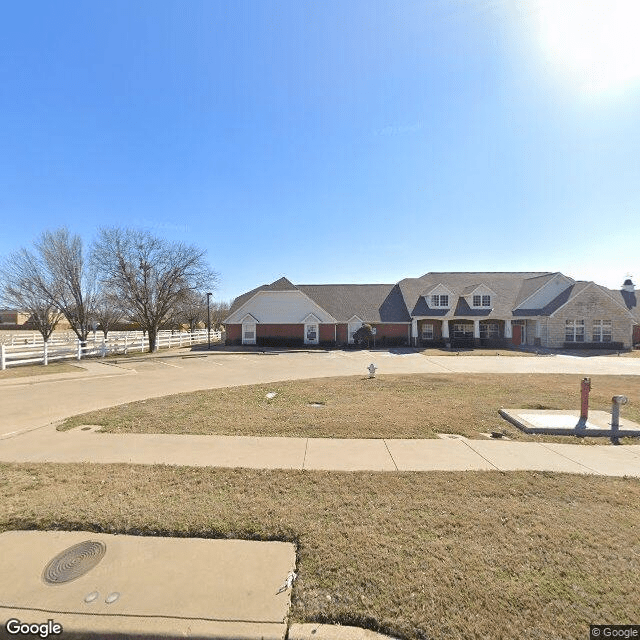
[(346, 141)]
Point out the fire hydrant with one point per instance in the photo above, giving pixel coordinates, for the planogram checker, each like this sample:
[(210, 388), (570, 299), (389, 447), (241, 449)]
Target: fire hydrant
[(372, 370), (616, 402)]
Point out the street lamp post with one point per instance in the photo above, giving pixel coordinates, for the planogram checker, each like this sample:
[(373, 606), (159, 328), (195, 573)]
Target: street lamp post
[(209, 321)]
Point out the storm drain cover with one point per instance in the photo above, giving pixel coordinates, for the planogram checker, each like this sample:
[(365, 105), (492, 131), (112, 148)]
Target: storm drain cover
[(74, 562)]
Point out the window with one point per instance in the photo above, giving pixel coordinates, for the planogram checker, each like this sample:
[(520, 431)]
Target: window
[(427, 332), (312, 332), (489, 330), (463, 331), (574, 331), (440, 300), (601, 331), (248, 333), (481, 301)]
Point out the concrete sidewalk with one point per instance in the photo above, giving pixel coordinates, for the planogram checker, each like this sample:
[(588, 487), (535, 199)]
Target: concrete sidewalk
[(325, 454)]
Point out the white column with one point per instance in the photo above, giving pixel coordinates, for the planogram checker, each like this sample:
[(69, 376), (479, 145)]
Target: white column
[(414, 332), (476, 329), (445, 329), (507, 329), (538, 328)]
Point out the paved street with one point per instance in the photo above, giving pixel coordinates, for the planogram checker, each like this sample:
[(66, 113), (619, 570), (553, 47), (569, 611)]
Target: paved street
[(30, 407), (27, 403)]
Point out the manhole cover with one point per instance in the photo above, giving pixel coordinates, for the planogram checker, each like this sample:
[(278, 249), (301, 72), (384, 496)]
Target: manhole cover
[(74, 562)]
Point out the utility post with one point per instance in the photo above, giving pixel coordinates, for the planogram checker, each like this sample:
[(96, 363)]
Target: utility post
[(209, 321)]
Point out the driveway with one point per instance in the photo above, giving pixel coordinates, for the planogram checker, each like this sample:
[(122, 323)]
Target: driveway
[(28, 403)]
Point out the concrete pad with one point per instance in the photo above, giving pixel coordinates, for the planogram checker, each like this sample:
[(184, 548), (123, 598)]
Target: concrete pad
[(608, 460), (436, 455), (317, 631), (327, 454), (166, 586), (566, 422), (534, 456)]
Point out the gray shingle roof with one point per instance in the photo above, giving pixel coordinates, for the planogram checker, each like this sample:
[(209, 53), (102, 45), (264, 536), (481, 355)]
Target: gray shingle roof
[(506, 286), (370, 302), (398, 302), (531, 285)]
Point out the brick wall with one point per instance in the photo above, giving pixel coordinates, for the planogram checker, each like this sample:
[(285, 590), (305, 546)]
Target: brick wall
[(327, 332), (233, 331), (279, 330)]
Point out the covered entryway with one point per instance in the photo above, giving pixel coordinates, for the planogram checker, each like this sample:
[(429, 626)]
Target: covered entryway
[(249, 329), (311, 329), (353, 325)]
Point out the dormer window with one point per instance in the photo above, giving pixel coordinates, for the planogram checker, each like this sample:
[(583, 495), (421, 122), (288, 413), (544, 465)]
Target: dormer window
[(441, 300), (481, 301)]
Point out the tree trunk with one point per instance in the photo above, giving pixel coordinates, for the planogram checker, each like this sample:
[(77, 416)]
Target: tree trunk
[(153, 334)]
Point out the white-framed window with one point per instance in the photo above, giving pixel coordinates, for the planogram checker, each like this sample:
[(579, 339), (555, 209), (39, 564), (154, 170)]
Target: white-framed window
[(489, 330), (481, 300), (248, 333), (441, 300), (574, 331), (463, 330), (312, 332), (601, 331), (427, 332)]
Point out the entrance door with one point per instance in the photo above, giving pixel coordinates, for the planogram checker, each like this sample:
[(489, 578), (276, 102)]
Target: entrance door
[(311, 334), (517, 334)]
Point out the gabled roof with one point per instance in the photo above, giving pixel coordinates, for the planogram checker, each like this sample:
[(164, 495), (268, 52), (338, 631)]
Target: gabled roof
[(472, 287), (282, 285), (505, 285), (559, 301), (279, 285), (370, 302), (531, 285)]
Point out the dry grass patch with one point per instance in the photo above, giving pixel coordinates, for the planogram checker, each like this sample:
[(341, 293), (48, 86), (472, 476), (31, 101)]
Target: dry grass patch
[(388, 406), (29, 370), (418, 555)]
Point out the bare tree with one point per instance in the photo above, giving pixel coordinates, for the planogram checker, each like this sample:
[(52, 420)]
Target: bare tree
[(219, 311), (192, 310), (18, 291), (108, 311), (56, 272), (151, 276)]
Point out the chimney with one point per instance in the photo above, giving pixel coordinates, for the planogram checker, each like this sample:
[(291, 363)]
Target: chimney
[(628, 286)]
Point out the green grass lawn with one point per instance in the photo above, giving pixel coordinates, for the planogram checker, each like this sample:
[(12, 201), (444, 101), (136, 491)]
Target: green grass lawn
[(388, 406), (418, 555)]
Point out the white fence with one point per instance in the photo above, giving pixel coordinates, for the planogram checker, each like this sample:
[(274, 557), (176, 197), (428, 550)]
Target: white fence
[(31, 349)]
